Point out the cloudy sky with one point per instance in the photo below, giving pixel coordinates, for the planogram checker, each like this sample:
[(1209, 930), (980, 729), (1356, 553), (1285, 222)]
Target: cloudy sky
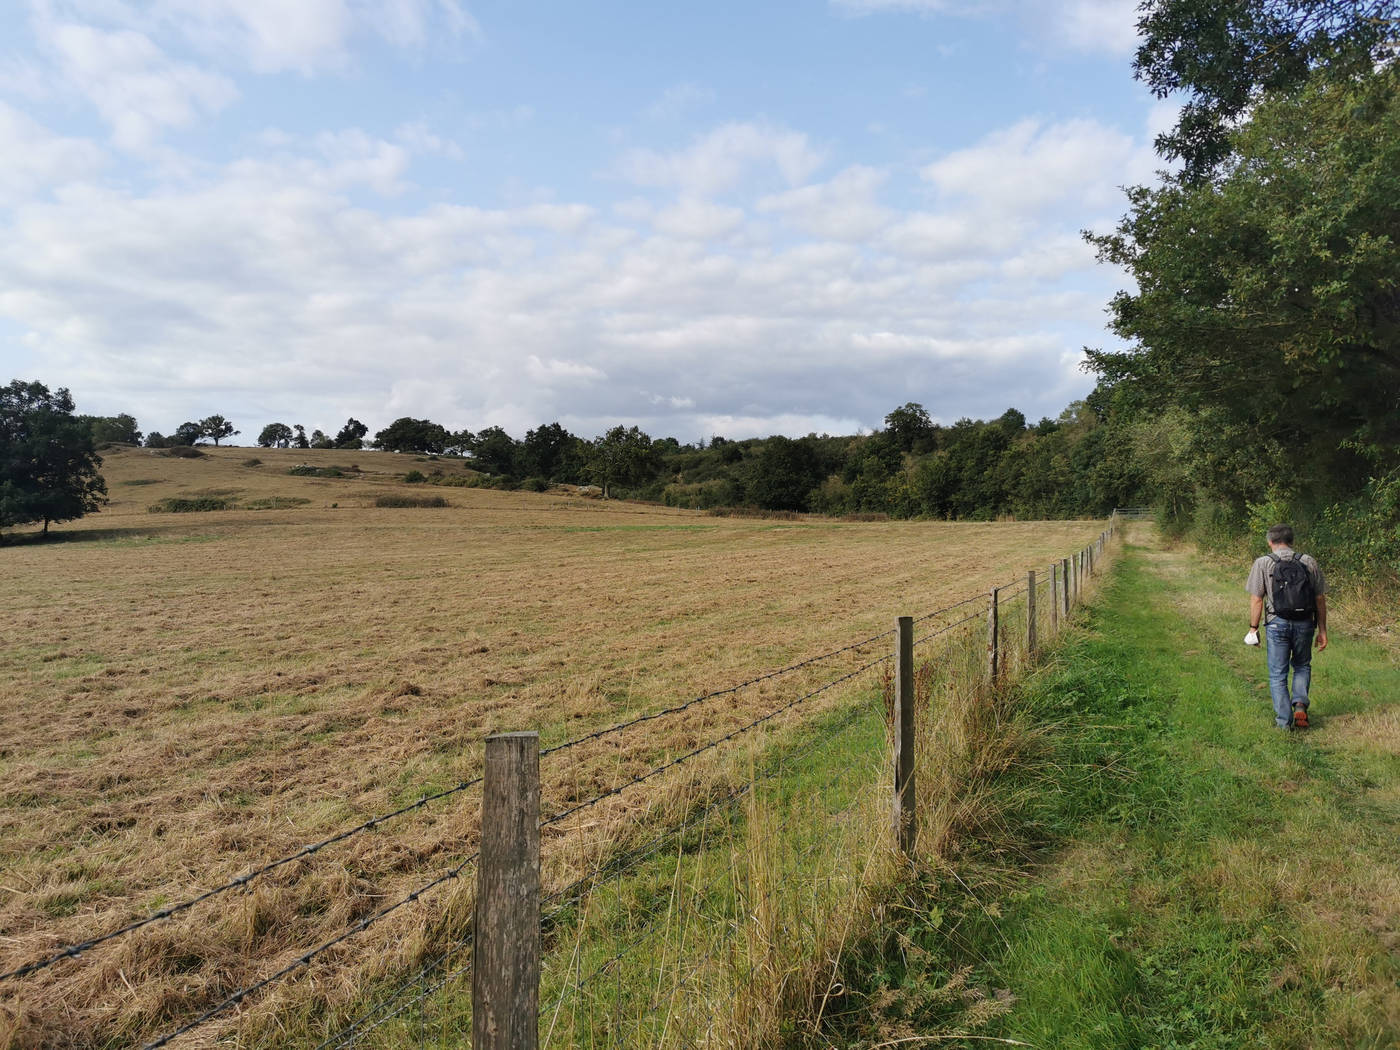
[(734, 217)]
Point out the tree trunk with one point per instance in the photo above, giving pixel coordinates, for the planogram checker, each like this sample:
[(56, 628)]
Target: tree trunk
[(46, 526)]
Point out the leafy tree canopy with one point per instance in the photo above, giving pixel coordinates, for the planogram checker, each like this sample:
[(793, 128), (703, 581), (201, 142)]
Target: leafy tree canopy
[(48, 469), (1228, 54), (550, 452), (1268, 299), (352, 434), (407, 434), (216, 427), (119, 429), (622, 456), (187, 434), (277, 435), (912, 429), (495, 451)]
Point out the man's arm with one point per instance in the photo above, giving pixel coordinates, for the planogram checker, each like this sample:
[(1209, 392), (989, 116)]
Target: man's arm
[(1256, 611), (1321, 622)]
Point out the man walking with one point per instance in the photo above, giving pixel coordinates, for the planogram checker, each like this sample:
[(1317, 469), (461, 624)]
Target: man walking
[(1289, 596)]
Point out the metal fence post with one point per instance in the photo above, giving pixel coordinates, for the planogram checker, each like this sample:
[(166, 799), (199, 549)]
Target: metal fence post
[(1030, 615), (506, 960), (905, 826), (993, 640)]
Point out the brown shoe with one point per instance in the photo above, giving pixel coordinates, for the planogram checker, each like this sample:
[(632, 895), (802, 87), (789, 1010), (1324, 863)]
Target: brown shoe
[(1300, 717)]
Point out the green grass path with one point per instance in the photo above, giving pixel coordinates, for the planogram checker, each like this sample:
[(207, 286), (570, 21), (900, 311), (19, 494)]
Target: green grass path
[(1171, 871)]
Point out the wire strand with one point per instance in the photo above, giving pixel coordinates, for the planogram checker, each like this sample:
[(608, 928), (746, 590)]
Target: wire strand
[(556, 818), (306, 959), (620, 726), (72, 951)]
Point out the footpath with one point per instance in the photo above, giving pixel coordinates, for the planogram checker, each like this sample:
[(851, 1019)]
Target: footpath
[(1166, 868)]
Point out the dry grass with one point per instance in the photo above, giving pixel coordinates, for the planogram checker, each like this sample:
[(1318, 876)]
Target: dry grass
[(186, 695)]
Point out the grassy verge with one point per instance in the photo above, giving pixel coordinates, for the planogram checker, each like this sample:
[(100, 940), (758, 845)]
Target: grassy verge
[(1166, 869)]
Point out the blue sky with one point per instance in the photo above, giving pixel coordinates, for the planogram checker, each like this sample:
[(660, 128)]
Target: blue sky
[(723, 218)]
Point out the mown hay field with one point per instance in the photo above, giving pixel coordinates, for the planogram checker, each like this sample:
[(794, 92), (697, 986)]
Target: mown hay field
[(186, 695)]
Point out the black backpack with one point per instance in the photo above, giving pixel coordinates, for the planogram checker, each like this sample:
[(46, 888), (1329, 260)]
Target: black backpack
[(1293, 594)]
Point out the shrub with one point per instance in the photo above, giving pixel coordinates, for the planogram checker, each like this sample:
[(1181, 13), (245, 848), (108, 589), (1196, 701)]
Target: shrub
[(178, 505), (702, 495), (410, 501), (306, 470), (275, 502), (141, 481), (254, 462), (415, 477), (184, 452), (455, 481), (755, 512), (535, 484)]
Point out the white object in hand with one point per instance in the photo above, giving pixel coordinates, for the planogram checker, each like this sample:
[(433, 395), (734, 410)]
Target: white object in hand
[(1252, 638)]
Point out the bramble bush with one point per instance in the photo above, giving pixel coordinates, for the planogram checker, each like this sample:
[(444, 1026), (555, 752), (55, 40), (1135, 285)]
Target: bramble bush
[(180, 505), (410, 501)]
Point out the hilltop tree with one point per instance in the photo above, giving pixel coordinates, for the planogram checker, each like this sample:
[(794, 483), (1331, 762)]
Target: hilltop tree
[(217, 428), (299, 440), (495, 451), (407, 434), (352, 434), (320, 440), (120, 429), (276, 434), (187, 433), (48, 468)]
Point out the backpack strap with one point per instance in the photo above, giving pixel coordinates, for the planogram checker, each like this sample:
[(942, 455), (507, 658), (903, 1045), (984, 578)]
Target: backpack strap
[(1268, 600)]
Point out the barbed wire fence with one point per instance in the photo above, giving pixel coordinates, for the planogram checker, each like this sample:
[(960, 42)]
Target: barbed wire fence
[(778, 824)]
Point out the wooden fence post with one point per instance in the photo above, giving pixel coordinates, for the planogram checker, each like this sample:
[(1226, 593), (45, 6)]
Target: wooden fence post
[(993, 640), (1054, 599), (1030, 615), (1064, 577), (506, 951), (905, 827)]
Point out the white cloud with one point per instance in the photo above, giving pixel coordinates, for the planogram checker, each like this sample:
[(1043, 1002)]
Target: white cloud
[(1108, 26), (273, 282), (844, 208), (269, 36), (1032, 166), (420, 139), (691, 219), (136, 87), (721, 159), (36, 159)]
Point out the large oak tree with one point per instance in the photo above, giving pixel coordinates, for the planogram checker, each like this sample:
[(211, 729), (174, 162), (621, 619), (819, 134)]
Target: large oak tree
[(48, 468)]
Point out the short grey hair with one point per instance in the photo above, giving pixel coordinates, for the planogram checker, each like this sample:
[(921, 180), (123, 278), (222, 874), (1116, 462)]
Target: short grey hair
[(1281, 534)]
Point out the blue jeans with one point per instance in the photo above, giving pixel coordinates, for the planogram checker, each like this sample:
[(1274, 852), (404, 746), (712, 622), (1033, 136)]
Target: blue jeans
[(1290, 643)]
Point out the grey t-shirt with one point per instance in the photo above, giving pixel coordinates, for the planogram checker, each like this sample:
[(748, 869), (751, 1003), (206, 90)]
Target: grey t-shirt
[(1261, 584)]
